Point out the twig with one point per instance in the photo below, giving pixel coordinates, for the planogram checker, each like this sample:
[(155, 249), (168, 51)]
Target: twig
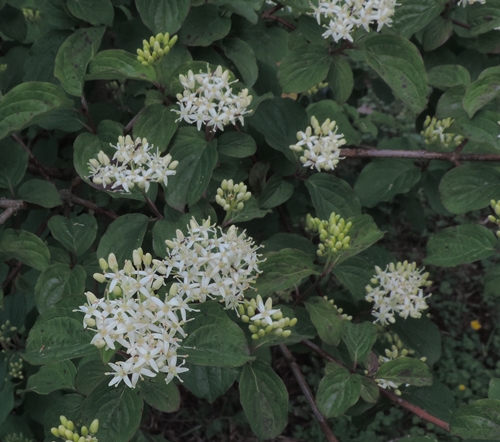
[(284, 219), (459, 23), (41, 169), (131, 123), (152, 205), (330, 437), (68, 197), (85, 111), (60, 174), (456, 153), (421, 413), (268, 15), (11, 207)]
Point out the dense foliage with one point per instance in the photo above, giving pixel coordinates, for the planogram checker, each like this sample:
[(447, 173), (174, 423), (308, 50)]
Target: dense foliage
[(232, 202)]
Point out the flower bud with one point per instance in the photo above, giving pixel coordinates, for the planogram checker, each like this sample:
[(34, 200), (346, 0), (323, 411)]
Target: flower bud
[(55, 431), (94, 426)]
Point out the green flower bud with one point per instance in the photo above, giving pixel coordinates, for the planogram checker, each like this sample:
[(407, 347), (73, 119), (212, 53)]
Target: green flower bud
[(94, 426), (55, 431)]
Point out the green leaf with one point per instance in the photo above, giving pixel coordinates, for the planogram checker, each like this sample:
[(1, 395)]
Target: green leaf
[(13, 23), (481, 92), (450, 103), (243, 57), (484, 18), (282, 270), (197, 159), (116, 64), (326, 319), (436, 33), (406, 371), (448, 75), (208, 382), (28, 103), (369, 390), (13, 165), (58, 334), (491, 281), (304, 67), (479, 420), (460, 245), (90, 375), (413, 15), (331, 194), (157, 124), (96, 12), (276, 192), (162, 15), (421, 335), (73, 57), (204, 25), (123, 236), (264, 399), (213, 339), (56, 282), (340, 79), (6, 401), (382, 180), (289, 241), (338, 391), (160, 395), (437, 400), (75, 234), (52, 377), (359, 339), (469, 187), (279, 120), (250, 211), (25, 247), (400, 65), (482, 128), (236, 145), (40, 192), (494, 388), (163, 230), (119, 410)]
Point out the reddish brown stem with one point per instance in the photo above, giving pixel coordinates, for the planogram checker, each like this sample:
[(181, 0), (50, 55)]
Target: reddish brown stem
[(330, 437), (41, 169), (67, 196), (268, 15)]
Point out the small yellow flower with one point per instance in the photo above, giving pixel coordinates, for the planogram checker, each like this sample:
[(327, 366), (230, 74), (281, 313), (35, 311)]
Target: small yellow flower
[(475, 325), (462, 387)]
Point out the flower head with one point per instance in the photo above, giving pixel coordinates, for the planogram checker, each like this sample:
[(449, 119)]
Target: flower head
[(332, 233), (153, 50), (434, 132)]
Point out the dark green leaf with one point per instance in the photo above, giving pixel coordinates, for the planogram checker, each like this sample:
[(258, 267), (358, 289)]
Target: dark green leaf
[(162, 15), (90, 375), (208, 382), (75, 234), (264, 399), (73, 57), (484, 18), (437, 32), (119, 410), (12, 23), (481, 419), (282, 270), (243, 56), (203, 26), (236, 145), (494, 388), (331, 194), (481, 92), (51, 377), (276, 192), (369, 390), (469, 187), (492, 281), (340, 79), (96, 12), (413, 15), (460, 245), (338, 391), (40, 192), (437, 400), (117, 64), (450, 103), (400, 65), (289, 241), (406, 371), (160, 395), (157, 124), (326, 319), (249, 212), (448, 75), (123, 236), (359, 339), (29, 103), (13, 165), (482, 128), (382, 180), (25, 247)]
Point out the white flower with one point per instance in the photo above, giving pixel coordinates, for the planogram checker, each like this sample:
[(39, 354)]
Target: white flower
[(341, 17), (208, 99), (321, 151), (398, 290), (464, 3), (134, 162)]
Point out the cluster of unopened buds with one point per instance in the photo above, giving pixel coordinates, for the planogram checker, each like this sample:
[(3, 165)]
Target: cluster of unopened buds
[(433, 132), (153, 50), (31, 15), (16, 369), (333, 233), (263, 319), (399, 289), (6, 331), (66, 431), (208, 99), (134, 163), (319, 145), (231, 197), (495, 205), (206, 263), (339, 310), (342, 17)]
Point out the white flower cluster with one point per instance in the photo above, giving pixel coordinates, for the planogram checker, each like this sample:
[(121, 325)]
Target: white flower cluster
[(208, 263), (132, 164), (464, 3), (341, 17), (434, 132), (321, 150), (208, 99), (398, 290)]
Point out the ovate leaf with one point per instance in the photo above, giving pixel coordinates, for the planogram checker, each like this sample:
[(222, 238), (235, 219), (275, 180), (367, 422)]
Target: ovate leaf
[(243, 56), (479, 420), (359, 339), (40, 192), (25, 247), (340, 79), (208, 382), (157, 124), (51, 377), (406, 371), (117, 64), (162, 15), (75, 234), (481, 92), (160, 395), (96, 12), (276, 192), (13, 165), (326, 319), (204, 25), (448, 75)]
